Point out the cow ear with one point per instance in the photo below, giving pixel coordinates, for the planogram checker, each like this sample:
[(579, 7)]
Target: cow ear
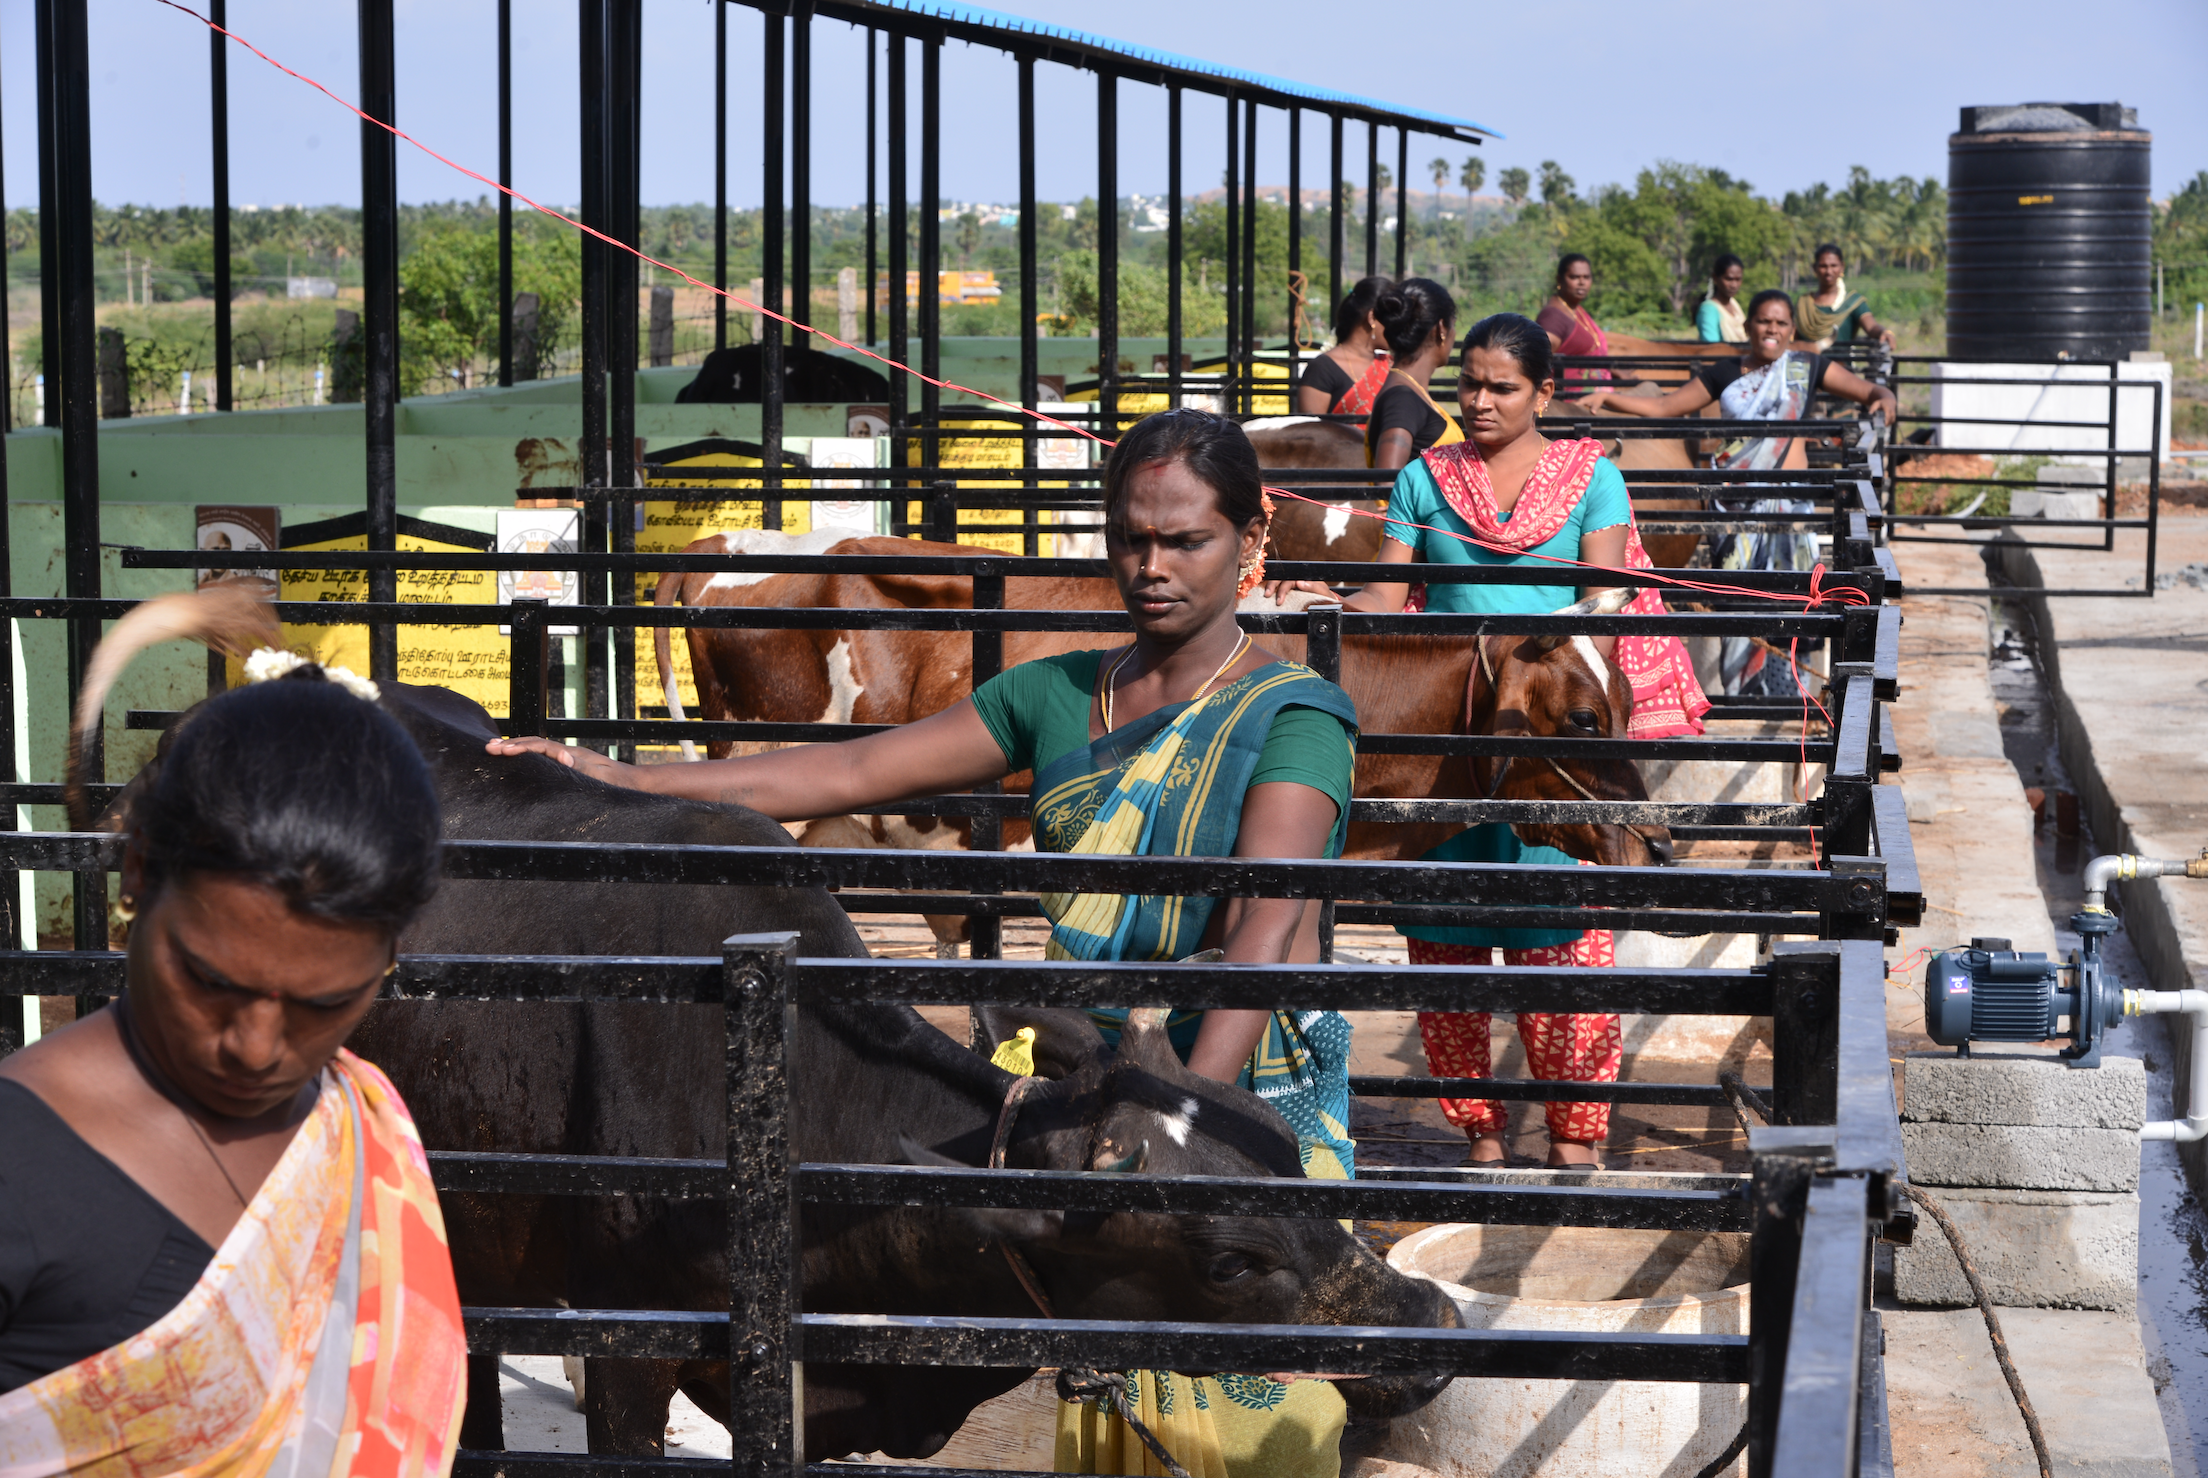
[(1066, 1042), (1144, 1042)]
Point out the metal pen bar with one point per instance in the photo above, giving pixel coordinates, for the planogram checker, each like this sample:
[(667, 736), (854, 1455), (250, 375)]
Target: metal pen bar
[(379, 275), (1107, 250), (773, 371), (931, 244), (218, 117), (506, 180)]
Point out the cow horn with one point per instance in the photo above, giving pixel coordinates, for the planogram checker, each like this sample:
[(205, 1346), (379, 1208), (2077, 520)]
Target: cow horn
[(1147, 1019), (1127, 1165), (1609, 603)]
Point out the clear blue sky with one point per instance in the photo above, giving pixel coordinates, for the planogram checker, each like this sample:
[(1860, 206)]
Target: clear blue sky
[(1603, 89)]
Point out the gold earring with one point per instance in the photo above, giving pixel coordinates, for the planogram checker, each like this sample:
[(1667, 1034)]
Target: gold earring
[(126, 908)]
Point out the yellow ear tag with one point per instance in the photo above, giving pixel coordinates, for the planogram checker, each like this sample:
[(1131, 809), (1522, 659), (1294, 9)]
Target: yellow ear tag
[(1018, 1054)]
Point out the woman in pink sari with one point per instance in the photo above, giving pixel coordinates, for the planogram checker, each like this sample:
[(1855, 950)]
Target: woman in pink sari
[(1565, 319)]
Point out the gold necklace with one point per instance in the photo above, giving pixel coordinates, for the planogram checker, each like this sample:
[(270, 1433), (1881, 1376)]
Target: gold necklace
[(1112, 676)]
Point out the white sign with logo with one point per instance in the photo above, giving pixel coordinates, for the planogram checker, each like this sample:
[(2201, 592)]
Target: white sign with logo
[(540, 531), (860, 515)]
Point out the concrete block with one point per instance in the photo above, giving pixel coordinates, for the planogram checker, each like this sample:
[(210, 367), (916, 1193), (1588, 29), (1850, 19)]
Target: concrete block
[(2032, 1249), (2024, 1158), (2025, 1084)]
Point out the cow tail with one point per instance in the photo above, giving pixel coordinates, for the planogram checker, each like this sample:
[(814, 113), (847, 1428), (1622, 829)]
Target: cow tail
[(226, 617), (669, 593)]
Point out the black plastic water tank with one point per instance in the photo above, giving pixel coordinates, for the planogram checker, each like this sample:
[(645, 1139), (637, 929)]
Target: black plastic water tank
[(2048, 221)]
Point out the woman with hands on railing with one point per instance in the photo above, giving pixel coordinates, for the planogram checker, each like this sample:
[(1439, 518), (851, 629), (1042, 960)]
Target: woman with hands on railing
[(1770, 381)]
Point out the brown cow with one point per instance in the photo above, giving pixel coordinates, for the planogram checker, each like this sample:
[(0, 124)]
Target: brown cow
[(1401, 684)]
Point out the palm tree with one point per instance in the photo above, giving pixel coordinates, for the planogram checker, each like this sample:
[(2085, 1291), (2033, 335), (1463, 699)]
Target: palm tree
[(1438, 167), (1516, 186), (1556, 186), (1472, 176)]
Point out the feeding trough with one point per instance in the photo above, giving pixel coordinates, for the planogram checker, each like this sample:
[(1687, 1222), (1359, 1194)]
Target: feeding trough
[(1584, 1280)]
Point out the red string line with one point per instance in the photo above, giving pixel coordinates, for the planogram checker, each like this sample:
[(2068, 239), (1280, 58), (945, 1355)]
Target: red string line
[(1815, 597)]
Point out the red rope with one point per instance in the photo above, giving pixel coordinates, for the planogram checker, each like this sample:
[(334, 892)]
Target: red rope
[(1627, 576)]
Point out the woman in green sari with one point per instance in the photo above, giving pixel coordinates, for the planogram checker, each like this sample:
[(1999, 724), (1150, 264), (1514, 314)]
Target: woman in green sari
[(1190, 742)]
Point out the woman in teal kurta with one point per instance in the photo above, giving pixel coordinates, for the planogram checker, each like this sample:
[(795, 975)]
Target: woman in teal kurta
[(1515, 498), (1190, 742)]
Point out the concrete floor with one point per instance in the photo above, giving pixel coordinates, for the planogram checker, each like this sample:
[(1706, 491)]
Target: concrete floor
[(1974, 835)]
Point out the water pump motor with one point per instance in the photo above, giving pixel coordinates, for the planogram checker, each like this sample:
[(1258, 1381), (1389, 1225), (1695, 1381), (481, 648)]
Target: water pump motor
[(1991, 993)]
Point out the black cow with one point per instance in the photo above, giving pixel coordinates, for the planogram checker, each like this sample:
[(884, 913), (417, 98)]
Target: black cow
[(734, 376), (871, 1084)]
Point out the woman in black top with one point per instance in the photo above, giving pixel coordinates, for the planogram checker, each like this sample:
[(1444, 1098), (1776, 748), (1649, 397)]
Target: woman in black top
[(1343, 379), (1420, 321), (274, 850)]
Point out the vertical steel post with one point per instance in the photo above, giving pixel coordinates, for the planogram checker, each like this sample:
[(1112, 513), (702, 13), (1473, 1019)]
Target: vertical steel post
[(379, 318), (771, 379), (1232, 267), (720, 172), (527, 667), (596, 473), (931, 251), (896, 228), (1402, 203), (72, 382), (801, 168), (985, 936), (1173, 326), (218, 114), (764, 1435), (1296, 293), (1107, 251), (873, 225), (624, 170), (1334, 222), (506, 201), (1248, 326), (49, 252), (11, 886), (1372, 198), (1030, 303), (1322, 652)]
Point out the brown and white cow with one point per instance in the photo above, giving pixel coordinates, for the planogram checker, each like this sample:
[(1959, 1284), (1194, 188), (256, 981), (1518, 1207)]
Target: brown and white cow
[(1401, 685)]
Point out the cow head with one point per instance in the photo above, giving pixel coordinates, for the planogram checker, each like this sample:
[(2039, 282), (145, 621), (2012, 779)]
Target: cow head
[(1141, 1112), (1560, 686)]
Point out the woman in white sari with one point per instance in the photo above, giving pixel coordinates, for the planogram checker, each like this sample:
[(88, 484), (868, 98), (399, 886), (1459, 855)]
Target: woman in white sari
[(1771, 381)]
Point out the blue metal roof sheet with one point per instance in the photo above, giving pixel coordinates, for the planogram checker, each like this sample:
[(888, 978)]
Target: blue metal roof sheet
[(997, 20)]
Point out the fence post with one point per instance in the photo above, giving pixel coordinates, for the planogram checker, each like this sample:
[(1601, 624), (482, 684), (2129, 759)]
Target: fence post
[(1784, 1160), (1805, 1033), (985, 936), (663, 326), (943, 513), (764, 1423), (528, 667), (1322, 653)]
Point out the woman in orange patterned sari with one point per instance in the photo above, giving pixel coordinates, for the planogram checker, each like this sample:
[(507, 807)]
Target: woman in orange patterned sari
[(220, 1252)]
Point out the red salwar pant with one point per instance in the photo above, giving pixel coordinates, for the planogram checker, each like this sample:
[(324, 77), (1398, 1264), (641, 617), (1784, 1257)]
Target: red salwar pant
[(1559, 1047)]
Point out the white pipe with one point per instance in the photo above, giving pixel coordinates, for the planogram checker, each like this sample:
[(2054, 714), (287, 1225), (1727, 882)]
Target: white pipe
[(2193, 1003)]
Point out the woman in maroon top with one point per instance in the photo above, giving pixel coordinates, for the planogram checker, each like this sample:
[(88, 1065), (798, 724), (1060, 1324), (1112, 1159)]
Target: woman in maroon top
[(1565, 319)]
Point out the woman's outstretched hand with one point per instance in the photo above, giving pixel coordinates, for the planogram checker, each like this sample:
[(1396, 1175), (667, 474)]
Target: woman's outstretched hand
[(582, 761), (1278, 591)]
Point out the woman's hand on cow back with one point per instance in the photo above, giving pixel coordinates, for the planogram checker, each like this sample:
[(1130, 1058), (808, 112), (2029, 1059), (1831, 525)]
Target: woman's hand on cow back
[(581, 761)]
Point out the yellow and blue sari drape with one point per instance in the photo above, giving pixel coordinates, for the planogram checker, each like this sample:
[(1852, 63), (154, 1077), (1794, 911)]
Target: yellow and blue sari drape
[(1171, 785)]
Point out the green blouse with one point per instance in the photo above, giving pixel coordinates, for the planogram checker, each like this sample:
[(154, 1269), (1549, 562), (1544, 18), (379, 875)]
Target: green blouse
[(1039, 710)]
